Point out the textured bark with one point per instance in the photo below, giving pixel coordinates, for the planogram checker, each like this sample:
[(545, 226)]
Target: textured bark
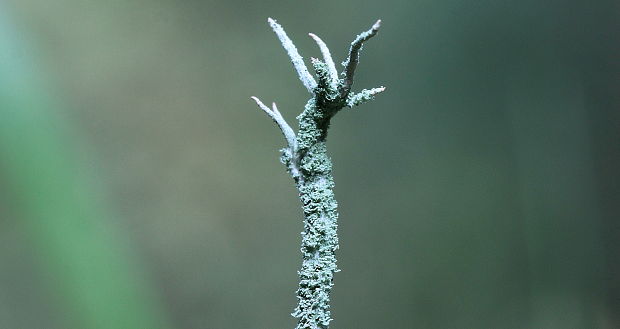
[(307, 161)]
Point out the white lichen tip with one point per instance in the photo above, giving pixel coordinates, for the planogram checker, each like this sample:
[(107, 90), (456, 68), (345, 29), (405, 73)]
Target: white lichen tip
[(363, 96), (277, 117), (262, 106), (275, 108), (327, 57), (353, 58), (368, 34), (296, 59), (376, 26)]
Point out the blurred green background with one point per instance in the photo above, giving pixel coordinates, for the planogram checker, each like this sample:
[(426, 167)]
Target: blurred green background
[(140, 186)]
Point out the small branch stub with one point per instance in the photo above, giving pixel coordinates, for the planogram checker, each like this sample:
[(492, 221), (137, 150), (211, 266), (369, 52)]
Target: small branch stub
[(363, 96), (307, 161)]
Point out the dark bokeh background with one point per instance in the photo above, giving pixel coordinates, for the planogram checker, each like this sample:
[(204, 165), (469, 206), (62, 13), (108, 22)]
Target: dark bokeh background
[(479, 191)]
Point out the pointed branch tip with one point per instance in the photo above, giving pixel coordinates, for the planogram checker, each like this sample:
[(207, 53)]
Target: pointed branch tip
[(277, 117), (327, 58), (377, 25), (262, 106), (352, 60), (296, 59), (363, 96)]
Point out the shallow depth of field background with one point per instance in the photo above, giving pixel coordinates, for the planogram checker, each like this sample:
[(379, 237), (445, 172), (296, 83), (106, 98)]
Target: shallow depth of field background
[(140, 186)]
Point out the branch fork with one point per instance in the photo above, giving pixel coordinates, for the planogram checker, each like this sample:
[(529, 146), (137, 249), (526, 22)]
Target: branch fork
[(277, 117), (330, 89)]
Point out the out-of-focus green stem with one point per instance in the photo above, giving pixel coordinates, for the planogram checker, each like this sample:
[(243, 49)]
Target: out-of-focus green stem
[(91, 268)]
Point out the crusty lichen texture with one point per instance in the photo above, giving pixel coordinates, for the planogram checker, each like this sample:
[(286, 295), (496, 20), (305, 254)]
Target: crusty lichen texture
[(306, 159)]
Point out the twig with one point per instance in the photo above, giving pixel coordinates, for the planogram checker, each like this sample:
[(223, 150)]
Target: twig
[(307, 161), (327, 57), (277, 117), (353, 59), (297, 60), (363, 96)]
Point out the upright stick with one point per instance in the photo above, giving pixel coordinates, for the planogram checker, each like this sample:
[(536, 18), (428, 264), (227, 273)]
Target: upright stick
[(306, 159)]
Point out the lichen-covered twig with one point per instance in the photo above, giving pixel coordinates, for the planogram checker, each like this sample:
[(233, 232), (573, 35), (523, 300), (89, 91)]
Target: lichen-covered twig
[(297, 60), (276, 116), (307, 161), (363, 96), (350, 64), (327, 57)]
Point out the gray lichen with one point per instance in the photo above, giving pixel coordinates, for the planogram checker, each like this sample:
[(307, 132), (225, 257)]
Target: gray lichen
[(306, 159)]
